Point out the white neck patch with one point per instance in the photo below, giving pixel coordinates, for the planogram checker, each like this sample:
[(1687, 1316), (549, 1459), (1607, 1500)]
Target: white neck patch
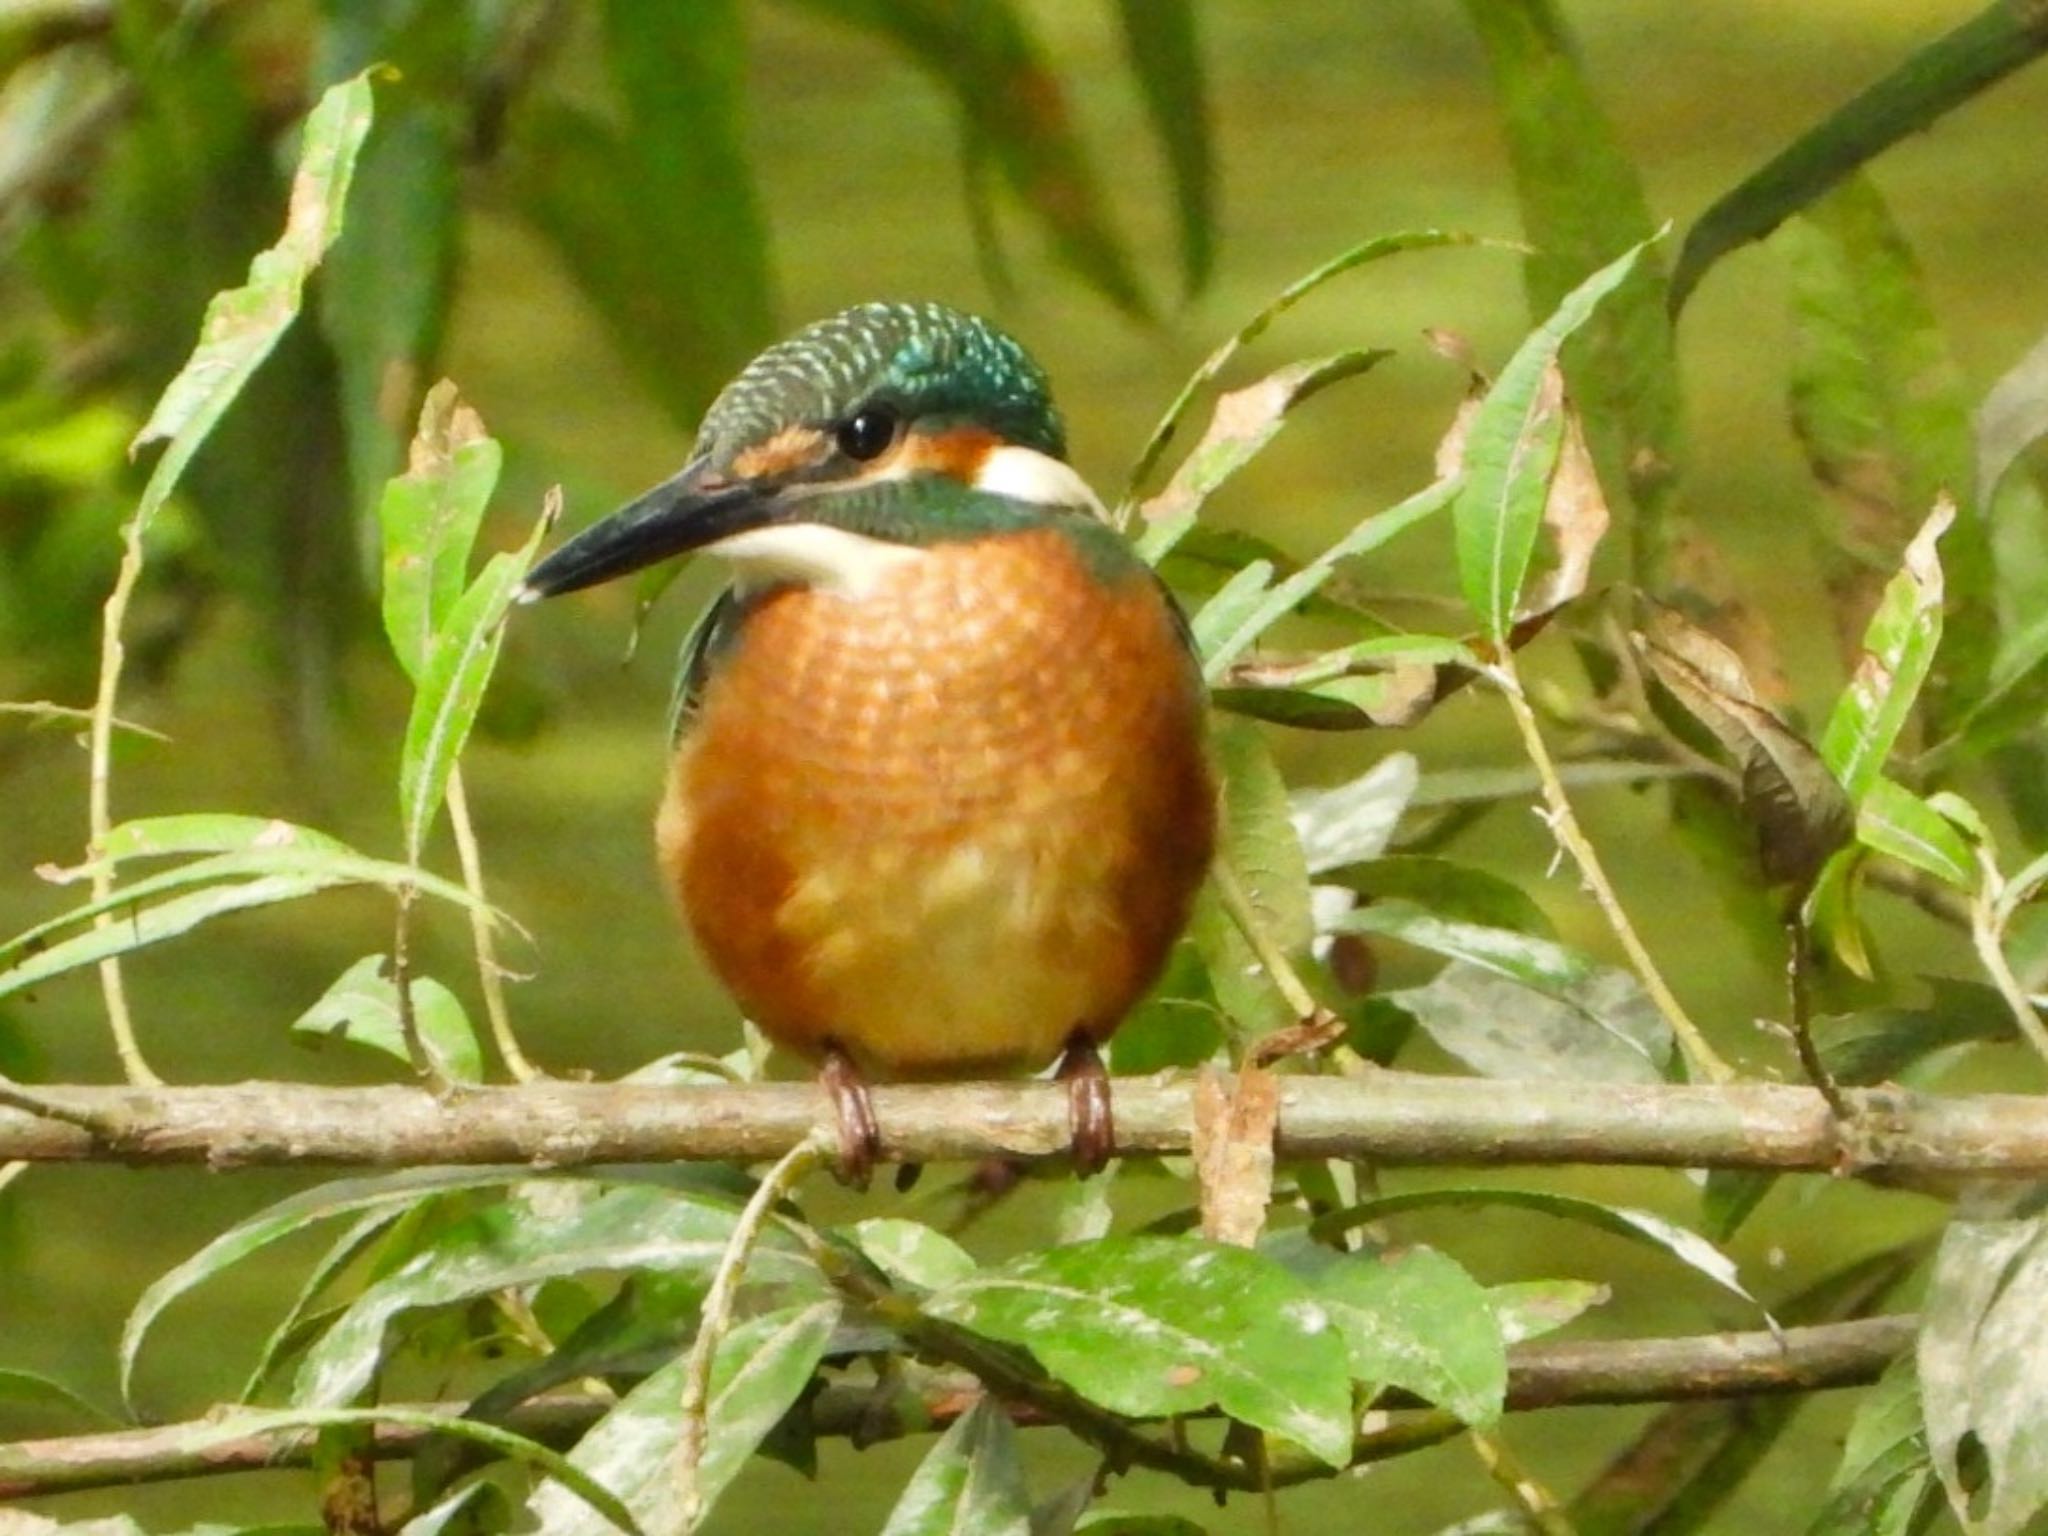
[(1025, 474), (815, 554)]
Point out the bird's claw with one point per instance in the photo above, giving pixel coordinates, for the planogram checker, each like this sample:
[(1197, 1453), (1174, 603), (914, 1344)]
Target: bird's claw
[(860, 1138), (1090, 1117)]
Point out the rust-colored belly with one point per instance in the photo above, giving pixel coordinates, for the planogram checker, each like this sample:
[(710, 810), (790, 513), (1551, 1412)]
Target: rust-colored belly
[(948, 822)]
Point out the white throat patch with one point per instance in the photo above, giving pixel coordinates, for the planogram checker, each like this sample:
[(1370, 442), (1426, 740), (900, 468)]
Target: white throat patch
[(1025, 474), (815, 554)]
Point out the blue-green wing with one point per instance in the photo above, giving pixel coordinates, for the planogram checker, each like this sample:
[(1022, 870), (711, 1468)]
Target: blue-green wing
[(707, 642)]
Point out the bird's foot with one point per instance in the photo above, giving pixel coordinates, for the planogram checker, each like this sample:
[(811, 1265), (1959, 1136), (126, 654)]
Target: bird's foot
[(1090, 1118), (860, 1139)]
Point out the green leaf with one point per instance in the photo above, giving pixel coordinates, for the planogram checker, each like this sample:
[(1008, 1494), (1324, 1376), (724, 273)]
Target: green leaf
[(151, 837), (385, 296), (1149, 1326), (458, 667), (1223, 644), (1510, 450), (1689, 1248), (230, 882), (1528, 1309), (1953, 69), (285, 1219), (1878, 1045), (32, 1389), (362, 1007), (429, 518), (1363, 254), (1458, 892), (1351, 823), (561, 1230), (1896, 822), (970, 1483), (1015, 113), (1878, 408), (1898, 650), (1885, 1485), (1582, 200), (760, 1369), (1584, 1020), (2012, 418), (1259, 843), (1417, 1321), (1159, 40), (1109, 1522), (911, 1253), (1980, 1360), (243, 324), (1244, 422)]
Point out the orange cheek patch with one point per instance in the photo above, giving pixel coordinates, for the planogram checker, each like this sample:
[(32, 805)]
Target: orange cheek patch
[(957, 454), (791, 448)]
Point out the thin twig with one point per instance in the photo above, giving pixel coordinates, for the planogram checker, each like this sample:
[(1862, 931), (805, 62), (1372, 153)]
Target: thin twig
[(490, 975), (693, 1431), (424, 1061), (1799, 998), (1541, 1374), (1535, 1502), (99, 797), (100, 1124), (1564, 826)]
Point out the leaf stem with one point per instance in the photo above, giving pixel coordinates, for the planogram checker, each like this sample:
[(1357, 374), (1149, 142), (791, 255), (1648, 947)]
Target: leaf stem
[(490, 975), (1564, 826), (1286, 979), (693, 1432), (1535, 1502), (1987, 931)]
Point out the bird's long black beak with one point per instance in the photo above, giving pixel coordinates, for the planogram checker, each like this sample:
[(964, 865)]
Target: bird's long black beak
[(693, 509)]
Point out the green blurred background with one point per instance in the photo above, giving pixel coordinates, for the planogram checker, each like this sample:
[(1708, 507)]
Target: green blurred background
[(1329, 122)]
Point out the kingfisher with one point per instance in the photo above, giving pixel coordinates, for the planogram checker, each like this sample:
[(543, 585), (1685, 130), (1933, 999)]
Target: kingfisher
[(939, 799)]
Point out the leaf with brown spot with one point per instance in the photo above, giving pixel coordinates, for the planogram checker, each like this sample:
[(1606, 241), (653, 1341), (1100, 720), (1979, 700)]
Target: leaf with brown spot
[(1233, 1145), (1799, 810)]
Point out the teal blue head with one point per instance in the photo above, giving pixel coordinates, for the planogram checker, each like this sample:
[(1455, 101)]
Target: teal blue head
[(869, 425)]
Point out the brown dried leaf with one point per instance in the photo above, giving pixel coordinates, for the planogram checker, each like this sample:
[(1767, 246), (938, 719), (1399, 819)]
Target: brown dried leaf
[(1233, 1146)]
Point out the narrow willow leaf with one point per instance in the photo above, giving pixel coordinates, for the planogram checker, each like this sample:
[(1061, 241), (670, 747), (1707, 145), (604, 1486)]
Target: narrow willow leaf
[(2013, 417), (1798, 807), (1689, 1248), (1244, 422), (228, 882), (458, 666), (362, 1007), (1898, 650), (759, 1370), (1149, 1326), (1233, 601), (152, 837), (1878, 407), (990, 63), (1510, 451), (911, 1253), (1604, 1029), (1885, 1485), (1159, 40), (243, 324), (563, 1230), (1258, 841), (1582, 200), (1226, 642), (971, 1481), (1896, 822), (1418, 1321), (1110, 1522), (32, 1389), (1512, 1004), (1362, 254), (1955, 68), (429, 518), (1352, 823), (1882, 1045), (1528, 1309), (290, 1216), (299, 1324), (1980, 1353), (1457, 892)]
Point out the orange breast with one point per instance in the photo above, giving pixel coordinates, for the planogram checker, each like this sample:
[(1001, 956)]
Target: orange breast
[(950, 821)]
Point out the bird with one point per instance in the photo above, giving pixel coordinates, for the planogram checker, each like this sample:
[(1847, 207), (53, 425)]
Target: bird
[(939, 799)]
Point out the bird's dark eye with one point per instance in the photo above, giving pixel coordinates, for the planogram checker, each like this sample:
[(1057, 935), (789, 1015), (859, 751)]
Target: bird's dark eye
[(869, 432)]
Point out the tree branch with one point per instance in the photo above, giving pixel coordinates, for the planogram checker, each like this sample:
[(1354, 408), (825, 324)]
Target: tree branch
[(1391, 1117), (1541, 1375)]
